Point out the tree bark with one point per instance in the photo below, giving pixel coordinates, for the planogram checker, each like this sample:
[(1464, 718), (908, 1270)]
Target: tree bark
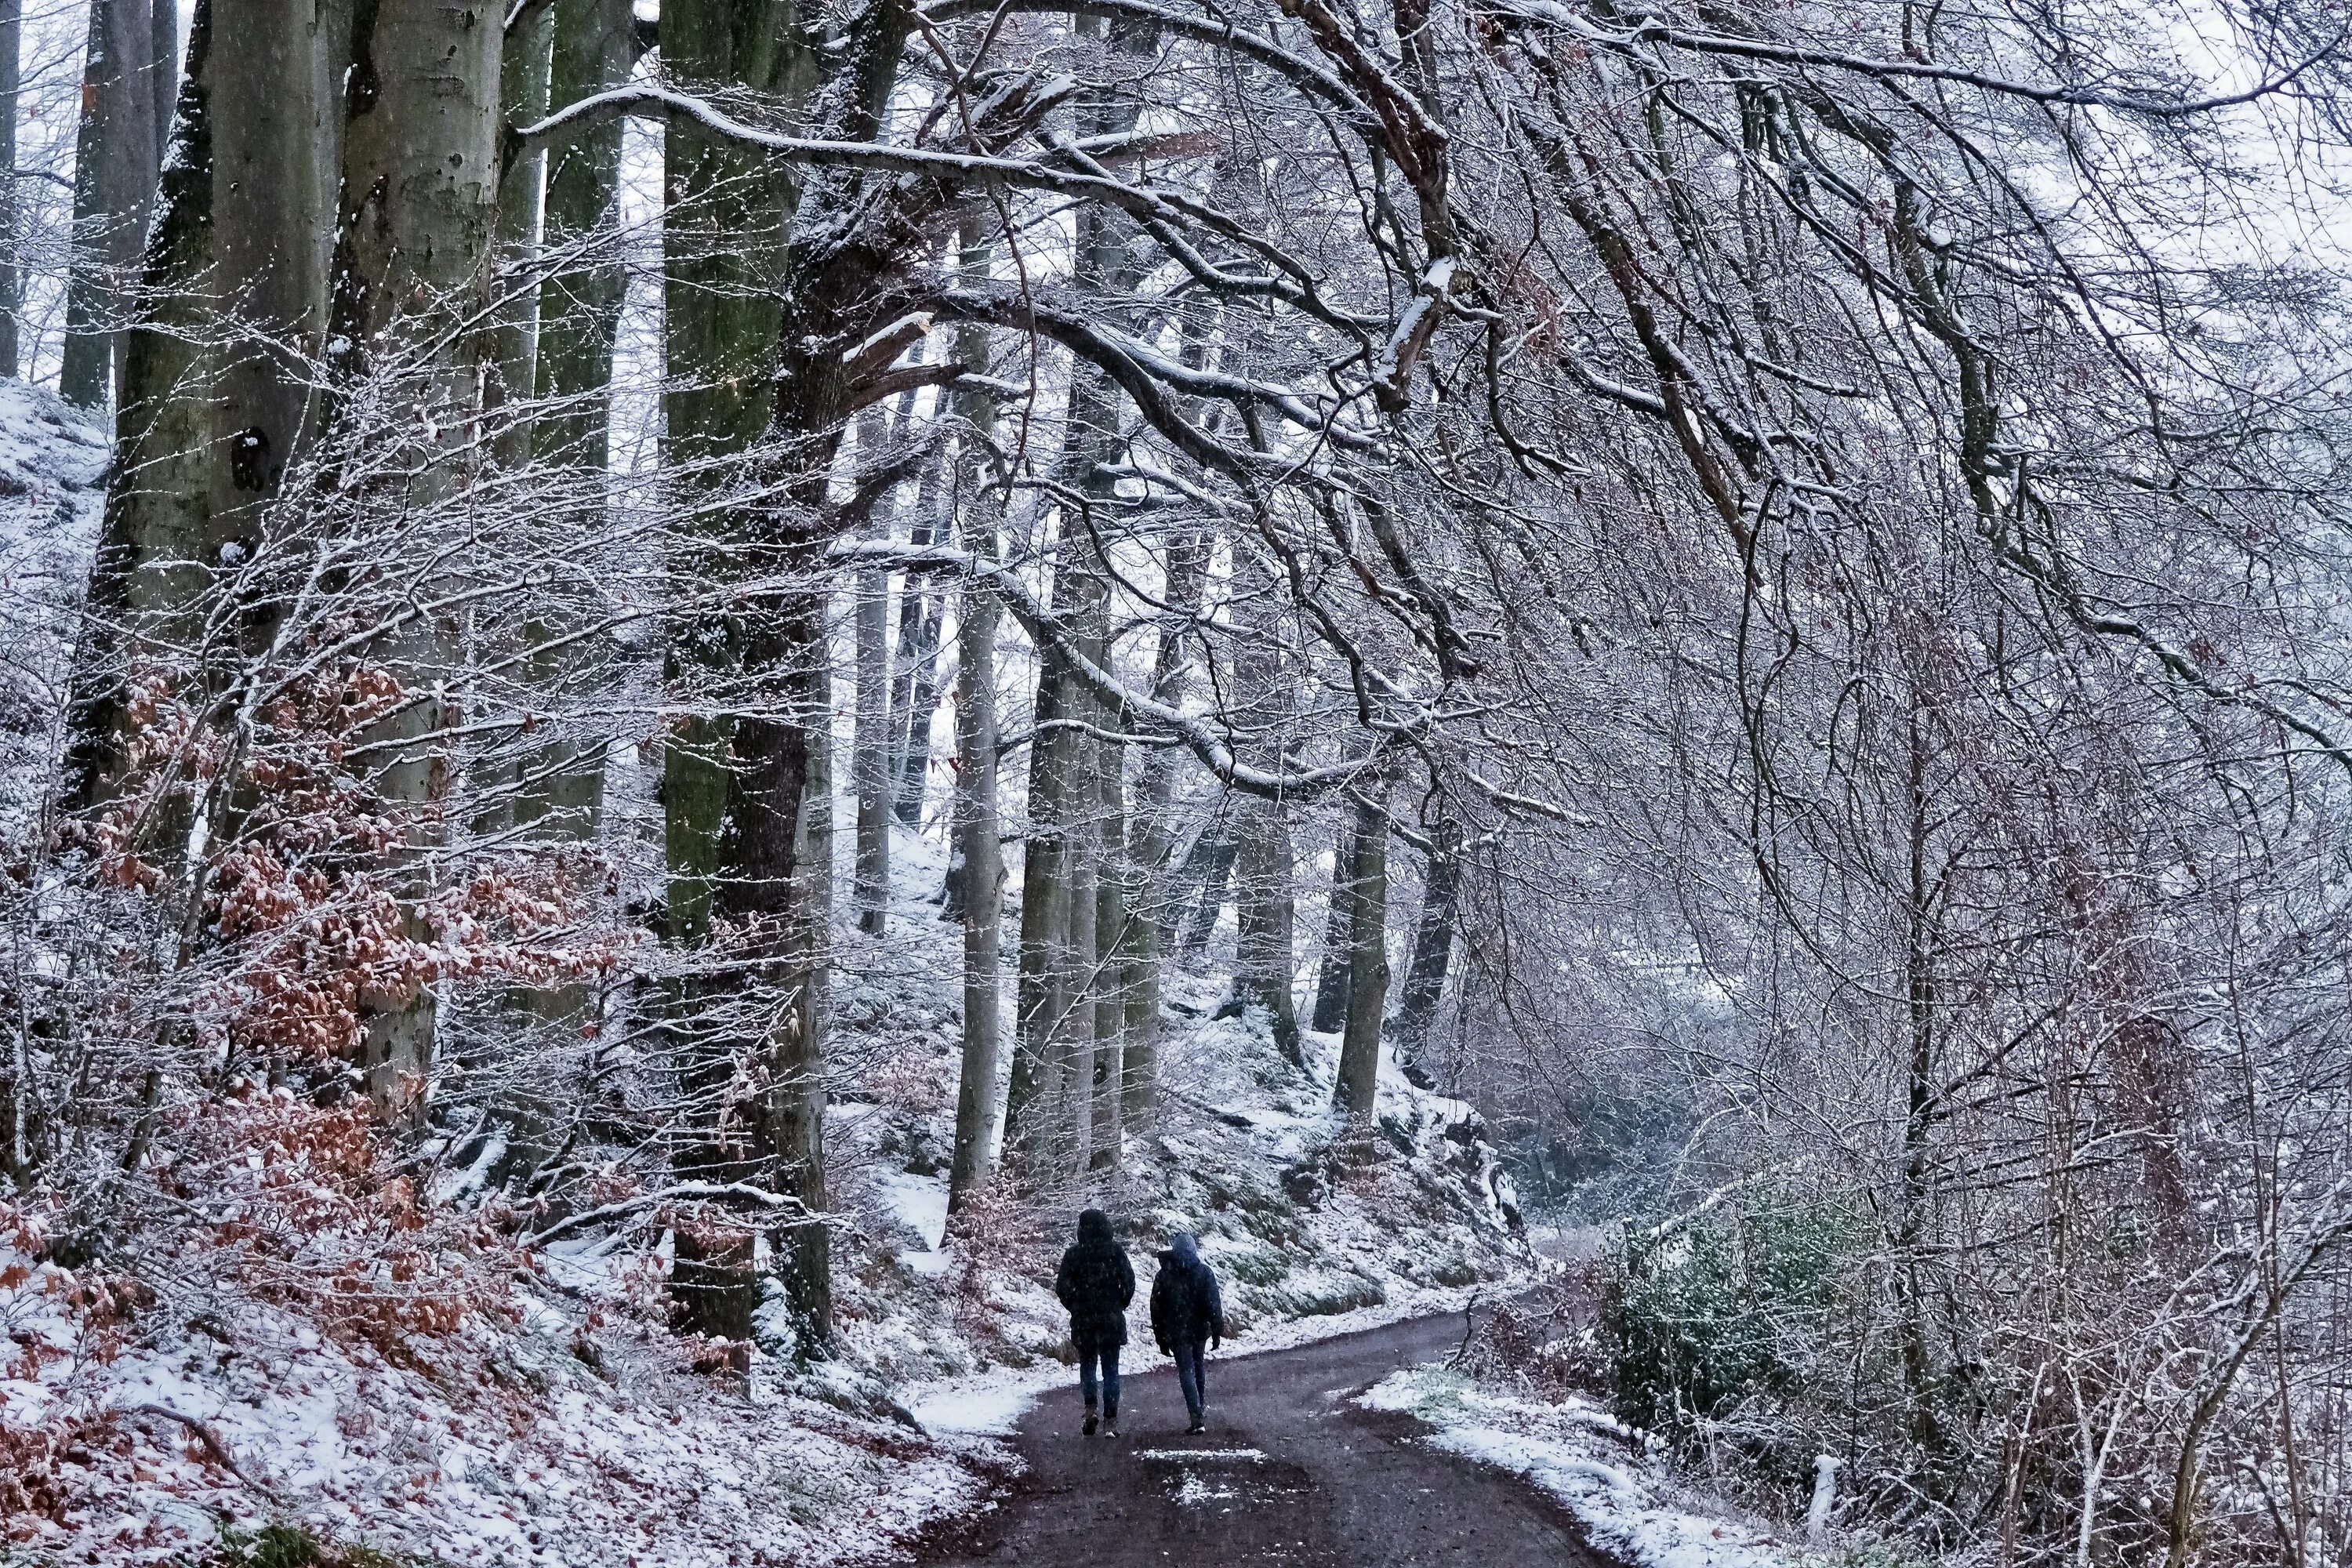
[(1209, 869), (420, 183), (12, 54), (1042, 994), (1368, 979), (977, 1102), (116, 158), (1432, 946), (1266, 950), (1151, 909), (217, 394), (1114, 946), (914, 688), (523, 91), (162, 70), (979, 1107), (1338, 949), (871, 771), (776, 756), (594, 49), (723, 240)]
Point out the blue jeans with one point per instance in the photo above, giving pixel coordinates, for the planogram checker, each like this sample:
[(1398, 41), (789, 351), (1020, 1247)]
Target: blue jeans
[(1108, 1356), (1191, 1374)]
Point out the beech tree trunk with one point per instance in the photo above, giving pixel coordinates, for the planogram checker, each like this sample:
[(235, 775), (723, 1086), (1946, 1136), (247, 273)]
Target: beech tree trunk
[(1042, 996), (915, 686), (1206, 877), (1368, 979), (594, 49), (723, 247), (12, 53), (974, 501), (776, 797), (162, 68), (1432, 946), (418, 231), (523, 91), (1114, 947), (977, 1102), (1338, 939), (116, 158), (213, 409), (1151, 911), (871, 773), (1265, 949)]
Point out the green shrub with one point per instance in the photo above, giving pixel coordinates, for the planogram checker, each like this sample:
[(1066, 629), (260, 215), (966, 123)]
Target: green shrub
[(283, 1545), (1729, 1310)]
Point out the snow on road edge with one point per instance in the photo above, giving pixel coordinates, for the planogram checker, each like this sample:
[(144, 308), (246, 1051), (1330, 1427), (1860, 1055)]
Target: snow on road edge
[(1579, 1454)]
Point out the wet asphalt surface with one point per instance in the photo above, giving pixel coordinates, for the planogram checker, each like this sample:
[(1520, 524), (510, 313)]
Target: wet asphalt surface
[(1289, 1472)]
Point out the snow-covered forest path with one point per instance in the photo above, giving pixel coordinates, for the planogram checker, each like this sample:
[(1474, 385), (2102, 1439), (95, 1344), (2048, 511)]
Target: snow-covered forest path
[(1289, 1472)]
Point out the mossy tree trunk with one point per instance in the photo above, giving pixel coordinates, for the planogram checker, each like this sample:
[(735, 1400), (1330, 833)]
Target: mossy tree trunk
[(1339, 926), (723, 245), (1368, 978), (217, 394), (117, 156)]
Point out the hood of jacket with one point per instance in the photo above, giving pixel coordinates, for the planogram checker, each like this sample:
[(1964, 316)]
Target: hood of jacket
[(1094, 1226), (1183, 1249)]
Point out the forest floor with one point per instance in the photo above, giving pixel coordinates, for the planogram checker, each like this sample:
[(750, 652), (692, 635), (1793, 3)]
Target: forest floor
[(1369, 1449), (1290, 1471)]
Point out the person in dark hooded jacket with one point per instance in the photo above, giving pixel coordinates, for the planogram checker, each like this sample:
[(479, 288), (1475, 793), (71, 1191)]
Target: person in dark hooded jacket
[(1188, 1316), (1095, 1282)]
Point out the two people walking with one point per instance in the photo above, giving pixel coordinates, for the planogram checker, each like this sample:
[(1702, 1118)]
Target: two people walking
[(1095, 1282)]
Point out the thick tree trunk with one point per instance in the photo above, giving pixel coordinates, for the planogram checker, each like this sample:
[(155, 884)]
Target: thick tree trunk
[(1114, 945), (523, 91), (870, 773), (825, 301), (1202, 884), (1152, 909), (723, 245), (797, 1100), (1433, 947), (420, 182), (1042, 996), (1265, 953), (116, 158), (1075, 1045), (1266, 946), (978, 845), (1339, 948), (213, 407), (1368, 980), (162, 68), (12, 54), (977, 1103), (594, 49)]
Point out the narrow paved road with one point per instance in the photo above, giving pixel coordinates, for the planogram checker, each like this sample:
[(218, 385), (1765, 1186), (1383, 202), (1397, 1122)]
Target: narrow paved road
[(1290, 1472)]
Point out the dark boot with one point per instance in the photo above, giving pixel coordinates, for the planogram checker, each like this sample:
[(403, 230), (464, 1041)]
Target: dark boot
[(1088, 1429)]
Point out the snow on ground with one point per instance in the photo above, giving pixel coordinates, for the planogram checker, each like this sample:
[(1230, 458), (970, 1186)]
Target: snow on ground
[(132, 1433), (1596, 1467), (553, 1420), (52, 468)]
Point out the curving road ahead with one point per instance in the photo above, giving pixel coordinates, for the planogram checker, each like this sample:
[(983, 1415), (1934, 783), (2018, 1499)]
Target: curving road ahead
[(1289, 1473)]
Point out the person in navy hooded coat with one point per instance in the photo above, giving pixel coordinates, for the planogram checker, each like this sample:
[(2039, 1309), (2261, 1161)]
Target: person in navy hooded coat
[(1188, 1317)]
